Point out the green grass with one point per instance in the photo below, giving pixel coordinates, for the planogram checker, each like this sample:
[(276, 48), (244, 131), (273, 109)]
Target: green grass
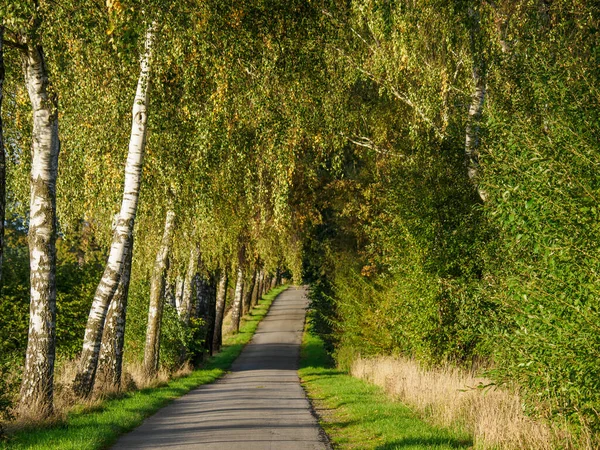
[(100, 427), (358, 415)]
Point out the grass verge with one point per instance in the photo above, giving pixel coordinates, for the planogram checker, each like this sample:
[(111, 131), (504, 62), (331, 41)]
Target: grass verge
[(100, 426), (358, 415)]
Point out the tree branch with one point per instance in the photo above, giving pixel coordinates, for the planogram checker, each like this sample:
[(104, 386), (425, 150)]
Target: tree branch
[(13, 44), (363, 141)]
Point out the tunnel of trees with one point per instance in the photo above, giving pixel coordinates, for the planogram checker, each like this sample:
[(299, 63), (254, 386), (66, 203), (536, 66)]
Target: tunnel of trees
[(429, 167)]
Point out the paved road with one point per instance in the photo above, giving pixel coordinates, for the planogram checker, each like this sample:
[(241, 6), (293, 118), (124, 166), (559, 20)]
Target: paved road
[(259, 405)]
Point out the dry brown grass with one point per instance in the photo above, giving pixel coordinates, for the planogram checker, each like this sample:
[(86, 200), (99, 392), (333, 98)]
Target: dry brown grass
[(453, 397), (141, 381), (66, 401)]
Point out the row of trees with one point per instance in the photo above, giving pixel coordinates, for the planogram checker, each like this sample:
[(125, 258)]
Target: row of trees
[(222, 202)]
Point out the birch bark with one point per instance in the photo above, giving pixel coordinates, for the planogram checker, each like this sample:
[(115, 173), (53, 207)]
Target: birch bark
[(2, 157), (199, 301), (255, 289), (248, 293), (110, 359), (472, 133), (265, 286), (178, 294), (205, 308), (220, 311), (170, 293), (210, 293), (261, 285), (37, 386), (186, 297), (122, 242), (236, 307), (157, 292)]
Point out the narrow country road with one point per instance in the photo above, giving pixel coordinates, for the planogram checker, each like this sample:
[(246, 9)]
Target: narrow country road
[(259, 405)]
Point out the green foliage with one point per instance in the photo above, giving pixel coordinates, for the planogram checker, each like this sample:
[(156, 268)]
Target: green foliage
[(411, 260), (543, 183), (328, 138), (77, 276)]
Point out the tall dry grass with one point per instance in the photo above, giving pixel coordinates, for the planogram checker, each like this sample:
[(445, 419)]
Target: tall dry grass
[(453, 397), (65, 401)]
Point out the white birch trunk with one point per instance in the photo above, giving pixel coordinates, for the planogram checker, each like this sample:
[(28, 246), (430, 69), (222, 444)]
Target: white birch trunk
[(2, 157), (206, 294), (186, 297), (37, 386), (178, 294), (170, 293), (472, 133), (261, 286), (236, 307), (248, 293), (110, 360), (157, 291), (123, 236), (255, 289), (220, 311)]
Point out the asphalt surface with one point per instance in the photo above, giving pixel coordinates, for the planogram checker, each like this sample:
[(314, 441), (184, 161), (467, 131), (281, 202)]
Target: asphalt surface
[(258, 405)]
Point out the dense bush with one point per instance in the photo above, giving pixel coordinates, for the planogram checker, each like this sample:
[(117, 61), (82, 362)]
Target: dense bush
[(426, 268)]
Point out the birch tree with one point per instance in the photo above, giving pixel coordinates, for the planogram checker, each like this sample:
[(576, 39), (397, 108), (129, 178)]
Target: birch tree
[(247, 304), (110, 359), (236, 306), (220, 310), (205, 307), (2, 156), (37, 386), (157, 296), (122, 242), (472, 132), (185, 308), (256, 289)]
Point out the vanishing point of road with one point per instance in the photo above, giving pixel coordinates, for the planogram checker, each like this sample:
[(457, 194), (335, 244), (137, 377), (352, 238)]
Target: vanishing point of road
[(258, 405)]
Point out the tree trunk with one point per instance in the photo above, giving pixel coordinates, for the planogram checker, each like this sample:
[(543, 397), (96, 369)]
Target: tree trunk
[(248, 294), (178, 293), (205, 308), (256, 289), (37, 386), (236, 307), (261, 286), (186, 297), (211, 293), (265, 287), (110, 360), (170, 293), (122, 242), (220, 311), (472, 133), (2, 158), (270, 283), (157, 292)]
